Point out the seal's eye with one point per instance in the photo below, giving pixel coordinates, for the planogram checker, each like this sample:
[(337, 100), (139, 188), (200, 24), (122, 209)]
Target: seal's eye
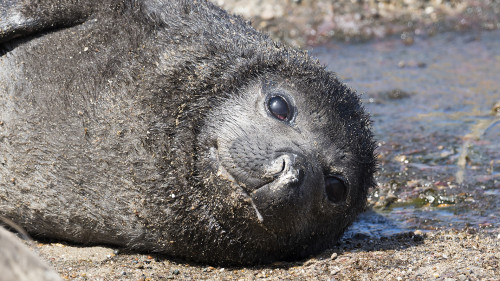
[(335, 189), (279, 107)]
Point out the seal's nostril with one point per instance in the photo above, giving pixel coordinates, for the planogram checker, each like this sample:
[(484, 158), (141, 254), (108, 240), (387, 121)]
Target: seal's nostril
[(336, 190), (286, 170), (283, 166)]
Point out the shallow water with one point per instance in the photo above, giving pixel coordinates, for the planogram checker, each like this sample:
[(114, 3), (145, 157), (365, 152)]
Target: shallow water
[(436, 112)]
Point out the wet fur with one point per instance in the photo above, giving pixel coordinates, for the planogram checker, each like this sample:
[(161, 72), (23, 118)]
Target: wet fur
[(101, 115)]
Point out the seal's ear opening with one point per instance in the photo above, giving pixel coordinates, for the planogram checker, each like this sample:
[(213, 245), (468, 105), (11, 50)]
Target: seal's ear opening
[(26, 18)]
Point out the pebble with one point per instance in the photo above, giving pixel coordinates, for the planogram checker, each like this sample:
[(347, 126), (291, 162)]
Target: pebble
[(361, 236), (418, 232), (418, 238), (334, 270), (334, 256), (495, 109), (261, 274)]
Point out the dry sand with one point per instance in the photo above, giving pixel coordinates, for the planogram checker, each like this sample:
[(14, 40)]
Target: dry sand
[(450, 255)]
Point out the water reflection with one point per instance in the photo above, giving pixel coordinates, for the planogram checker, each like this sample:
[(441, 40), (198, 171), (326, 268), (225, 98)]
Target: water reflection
[(435, 108)]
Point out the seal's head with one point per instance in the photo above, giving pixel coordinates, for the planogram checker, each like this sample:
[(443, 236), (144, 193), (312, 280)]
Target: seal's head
[(297, 154)]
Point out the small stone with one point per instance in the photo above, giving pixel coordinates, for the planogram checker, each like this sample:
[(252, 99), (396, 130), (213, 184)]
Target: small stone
[(261, 275), (495, 109), (176, 272), (334, 256), (407, 38), (360, 236), (418, 238), (334, 270), (421, 64)]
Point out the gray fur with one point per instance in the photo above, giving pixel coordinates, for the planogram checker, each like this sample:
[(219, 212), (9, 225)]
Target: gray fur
[(142, 124)]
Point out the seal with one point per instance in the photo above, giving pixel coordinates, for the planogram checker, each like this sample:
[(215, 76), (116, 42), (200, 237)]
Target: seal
[(173, 127)]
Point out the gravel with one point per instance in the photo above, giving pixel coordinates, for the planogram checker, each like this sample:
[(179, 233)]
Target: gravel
[(442, 255), (312, 22)]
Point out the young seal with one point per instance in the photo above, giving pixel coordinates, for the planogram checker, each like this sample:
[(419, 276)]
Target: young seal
[(173, 127)]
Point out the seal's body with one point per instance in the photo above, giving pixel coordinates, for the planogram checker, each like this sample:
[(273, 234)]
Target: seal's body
[(173, 127)]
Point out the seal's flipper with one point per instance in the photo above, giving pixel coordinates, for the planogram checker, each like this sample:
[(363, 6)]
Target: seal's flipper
[(20, 18)]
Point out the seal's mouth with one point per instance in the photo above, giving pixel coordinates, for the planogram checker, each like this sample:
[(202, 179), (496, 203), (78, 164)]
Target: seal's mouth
[(284, 172), (222, 172)]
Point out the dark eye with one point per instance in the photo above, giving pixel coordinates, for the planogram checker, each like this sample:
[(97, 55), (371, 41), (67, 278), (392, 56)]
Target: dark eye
[(335, 188), (279, 107)]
